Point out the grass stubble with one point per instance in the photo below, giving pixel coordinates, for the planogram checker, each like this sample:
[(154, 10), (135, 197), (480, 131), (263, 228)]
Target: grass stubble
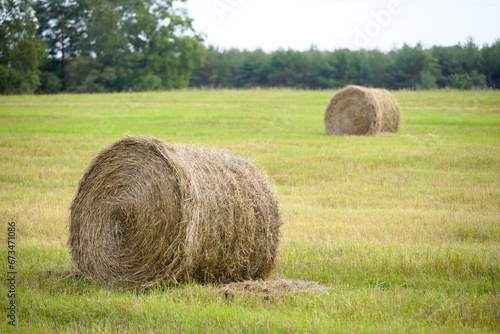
[(401, 229)]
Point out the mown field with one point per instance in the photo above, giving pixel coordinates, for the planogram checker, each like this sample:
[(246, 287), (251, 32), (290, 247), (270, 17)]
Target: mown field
[(403, 229)]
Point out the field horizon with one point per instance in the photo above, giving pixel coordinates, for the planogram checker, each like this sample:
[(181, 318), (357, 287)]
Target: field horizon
[(402, 229)]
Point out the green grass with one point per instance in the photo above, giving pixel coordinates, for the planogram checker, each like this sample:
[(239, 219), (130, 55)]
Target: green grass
[(403, 229)]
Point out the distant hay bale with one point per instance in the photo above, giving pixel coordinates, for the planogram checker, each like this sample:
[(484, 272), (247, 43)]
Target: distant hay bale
[(147, 211), (356, 110)]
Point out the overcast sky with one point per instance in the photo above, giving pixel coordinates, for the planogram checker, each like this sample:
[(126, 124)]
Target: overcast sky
[(332, 24)]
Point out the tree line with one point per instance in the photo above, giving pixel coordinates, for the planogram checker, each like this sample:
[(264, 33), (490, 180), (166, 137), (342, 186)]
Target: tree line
[(88, 46), (51, 46), (463, 66)]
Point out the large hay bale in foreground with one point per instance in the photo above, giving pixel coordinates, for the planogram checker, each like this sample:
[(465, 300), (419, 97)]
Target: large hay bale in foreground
[(356, 110), (147, 211)]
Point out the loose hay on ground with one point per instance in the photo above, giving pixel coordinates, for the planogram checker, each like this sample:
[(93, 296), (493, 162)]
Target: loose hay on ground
[(147, 211), (357, 110), (269, 288)]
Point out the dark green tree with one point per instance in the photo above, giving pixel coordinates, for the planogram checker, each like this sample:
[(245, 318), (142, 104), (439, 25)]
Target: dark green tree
[(116, 45), (221, 69), (317, 71), (473, 80), (427, 81), (288, 68), (449, 59), (205, 75), (373, 68), (461, 65), (409, 64), (139, 45), (344, 67), (471, 57), (255, 69), (61, 23), (20, 51), (491, 64)]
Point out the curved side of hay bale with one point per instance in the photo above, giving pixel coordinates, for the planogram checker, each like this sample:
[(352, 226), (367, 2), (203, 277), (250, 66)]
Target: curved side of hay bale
[(389, 110), (147, 211), (357, 110)]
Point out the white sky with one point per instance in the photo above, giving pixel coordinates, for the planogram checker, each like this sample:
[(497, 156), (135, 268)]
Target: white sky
[(333, 24)]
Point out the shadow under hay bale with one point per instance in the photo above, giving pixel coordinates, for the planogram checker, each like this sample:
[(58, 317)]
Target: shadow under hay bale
[(147, 212), (356, 110)]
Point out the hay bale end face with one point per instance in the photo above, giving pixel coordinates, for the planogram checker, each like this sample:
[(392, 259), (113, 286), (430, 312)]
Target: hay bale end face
[(357, 110), (147, 212)]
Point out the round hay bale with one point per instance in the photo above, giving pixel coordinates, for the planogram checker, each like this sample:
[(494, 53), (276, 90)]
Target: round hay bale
[(147, 211), (356, 110)]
